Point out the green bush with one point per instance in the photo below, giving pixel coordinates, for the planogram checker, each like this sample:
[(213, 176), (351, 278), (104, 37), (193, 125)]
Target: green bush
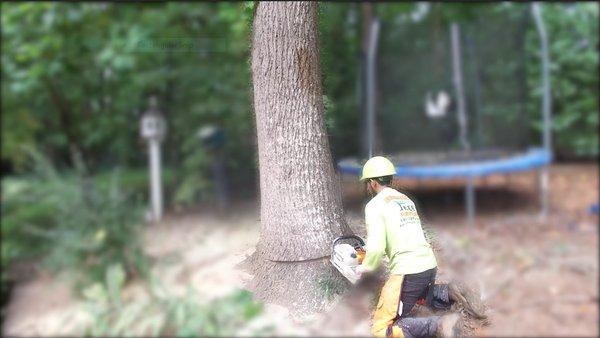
[(163, 314), (70, 222), (29, 204)]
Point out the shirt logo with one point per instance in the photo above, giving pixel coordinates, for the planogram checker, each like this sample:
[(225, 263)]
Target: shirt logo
[(408, 211), (405, 205)]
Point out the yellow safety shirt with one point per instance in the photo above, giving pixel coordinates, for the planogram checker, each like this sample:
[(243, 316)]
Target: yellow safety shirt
[(394, 229)]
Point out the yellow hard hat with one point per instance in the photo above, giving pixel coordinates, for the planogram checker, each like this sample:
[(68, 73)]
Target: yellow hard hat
[(376, 167)]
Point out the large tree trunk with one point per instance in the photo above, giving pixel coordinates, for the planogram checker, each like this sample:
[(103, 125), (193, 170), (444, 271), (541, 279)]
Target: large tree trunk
[(301, 209)]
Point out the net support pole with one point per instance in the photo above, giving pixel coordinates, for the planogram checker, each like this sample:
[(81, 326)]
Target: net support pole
[(462, 116), (371, 84), (544, 174), (470, 201), (458, 85)]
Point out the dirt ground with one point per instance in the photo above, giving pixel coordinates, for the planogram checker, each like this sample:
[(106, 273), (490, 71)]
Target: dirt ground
[(538, 278)]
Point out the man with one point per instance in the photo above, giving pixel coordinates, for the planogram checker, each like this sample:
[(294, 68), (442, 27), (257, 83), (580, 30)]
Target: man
[(394, 229)]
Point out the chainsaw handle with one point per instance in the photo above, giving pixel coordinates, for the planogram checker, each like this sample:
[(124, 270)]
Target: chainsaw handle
[(341, 238)]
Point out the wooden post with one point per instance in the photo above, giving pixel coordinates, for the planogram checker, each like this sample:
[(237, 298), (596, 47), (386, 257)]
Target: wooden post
[(155, 179)]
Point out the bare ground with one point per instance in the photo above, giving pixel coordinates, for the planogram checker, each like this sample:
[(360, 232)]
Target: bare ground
[(538, 278)]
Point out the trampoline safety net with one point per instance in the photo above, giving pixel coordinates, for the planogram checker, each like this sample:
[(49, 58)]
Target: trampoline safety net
[(417, 101)]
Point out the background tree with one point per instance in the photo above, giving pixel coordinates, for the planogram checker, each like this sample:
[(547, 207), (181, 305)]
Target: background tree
[(77, 76), (301, 210)]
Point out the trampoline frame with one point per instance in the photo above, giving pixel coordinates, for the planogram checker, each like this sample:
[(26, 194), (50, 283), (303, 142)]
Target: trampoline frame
[(532, 159)]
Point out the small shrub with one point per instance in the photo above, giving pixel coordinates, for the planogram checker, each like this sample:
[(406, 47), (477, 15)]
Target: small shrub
[(330, 287), (70, 222), (164, 314)]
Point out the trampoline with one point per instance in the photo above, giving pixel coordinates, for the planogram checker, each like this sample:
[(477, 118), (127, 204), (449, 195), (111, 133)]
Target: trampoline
[(437, 156)]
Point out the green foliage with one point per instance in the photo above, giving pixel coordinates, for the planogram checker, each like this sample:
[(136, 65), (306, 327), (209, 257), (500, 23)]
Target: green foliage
[(194, 181), (136, 182), (31, 200), (164, 314), (573, 35), (82, 72), (70, 222), (76, 76)]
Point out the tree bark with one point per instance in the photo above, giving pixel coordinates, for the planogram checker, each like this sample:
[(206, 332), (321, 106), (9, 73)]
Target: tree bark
[(301, 208)]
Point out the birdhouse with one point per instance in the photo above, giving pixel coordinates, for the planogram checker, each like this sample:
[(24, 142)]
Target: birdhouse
[(153, 125)]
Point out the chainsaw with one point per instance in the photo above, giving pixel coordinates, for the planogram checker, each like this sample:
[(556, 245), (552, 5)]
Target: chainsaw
[(346, 257)]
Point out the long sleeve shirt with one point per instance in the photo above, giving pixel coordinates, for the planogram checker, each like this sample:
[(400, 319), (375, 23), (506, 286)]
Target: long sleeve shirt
[(394, 229)]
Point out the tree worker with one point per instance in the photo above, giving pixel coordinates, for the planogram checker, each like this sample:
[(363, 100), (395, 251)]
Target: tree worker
[(394, 229)]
